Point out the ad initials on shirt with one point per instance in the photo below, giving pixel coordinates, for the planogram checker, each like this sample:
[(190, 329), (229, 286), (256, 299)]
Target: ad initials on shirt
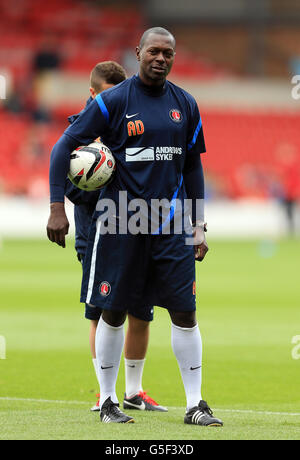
[(135, 128)]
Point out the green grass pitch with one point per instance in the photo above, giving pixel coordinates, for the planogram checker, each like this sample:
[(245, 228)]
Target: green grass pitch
[(248, 299)]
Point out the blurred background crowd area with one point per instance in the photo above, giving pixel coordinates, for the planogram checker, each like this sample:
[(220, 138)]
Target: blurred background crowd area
[(237, 57)]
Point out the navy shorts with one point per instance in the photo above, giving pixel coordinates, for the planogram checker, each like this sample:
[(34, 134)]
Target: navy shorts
[(93, 313), (131, 272)]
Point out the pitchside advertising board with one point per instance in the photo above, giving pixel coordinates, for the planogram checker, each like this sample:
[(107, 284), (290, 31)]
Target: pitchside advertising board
[(2, 87)]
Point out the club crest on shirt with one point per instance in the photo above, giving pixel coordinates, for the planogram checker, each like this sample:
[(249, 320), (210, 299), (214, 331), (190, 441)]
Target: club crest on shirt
[(105, 288), (175, 115)]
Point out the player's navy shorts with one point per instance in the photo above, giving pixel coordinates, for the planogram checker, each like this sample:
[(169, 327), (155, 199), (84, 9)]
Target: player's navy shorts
[(123, 272), (94, 313)]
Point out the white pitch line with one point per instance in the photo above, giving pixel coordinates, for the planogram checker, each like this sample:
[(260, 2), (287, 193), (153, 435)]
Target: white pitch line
[(54, 401), (246, 411), (238, 411), (261, 412)]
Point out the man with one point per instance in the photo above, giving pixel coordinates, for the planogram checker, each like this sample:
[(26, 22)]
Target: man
[(103, 76), (141, 120)]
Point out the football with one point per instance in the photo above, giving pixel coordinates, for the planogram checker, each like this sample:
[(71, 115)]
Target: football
[(91, 166)]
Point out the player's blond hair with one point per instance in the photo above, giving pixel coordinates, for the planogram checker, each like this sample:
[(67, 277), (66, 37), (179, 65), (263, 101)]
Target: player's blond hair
[(108, 71)]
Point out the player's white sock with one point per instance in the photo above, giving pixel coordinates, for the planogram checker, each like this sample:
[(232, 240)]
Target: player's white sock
[(96, 368), (109, 346), (187, 347), (133, 376)]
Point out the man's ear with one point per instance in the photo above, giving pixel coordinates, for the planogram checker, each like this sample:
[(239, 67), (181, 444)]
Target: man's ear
[(138, 52), (93, 92)]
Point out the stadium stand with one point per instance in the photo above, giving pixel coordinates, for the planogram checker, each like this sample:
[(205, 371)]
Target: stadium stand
[(70, 36), (244, 157)]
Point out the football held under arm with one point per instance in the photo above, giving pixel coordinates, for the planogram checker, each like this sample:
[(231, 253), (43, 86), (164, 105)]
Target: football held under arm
[(88, 126)]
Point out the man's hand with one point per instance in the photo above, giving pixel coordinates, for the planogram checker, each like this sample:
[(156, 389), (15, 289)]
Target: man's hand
[(58, 224), (200, 246)]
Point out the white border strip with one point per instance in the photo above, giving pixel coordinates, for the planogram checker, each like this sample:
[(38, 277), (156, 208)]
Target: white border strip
[(93, 263), (238, 411)]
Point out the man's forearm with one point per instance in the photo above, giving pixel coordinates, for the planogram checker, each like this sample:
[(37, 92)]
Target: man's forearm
[(194, 185), (59, 167)]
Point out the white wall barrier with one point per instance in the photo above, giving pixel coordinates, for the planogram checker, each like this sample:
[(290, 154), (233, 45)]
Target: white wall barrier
[(21, 217)]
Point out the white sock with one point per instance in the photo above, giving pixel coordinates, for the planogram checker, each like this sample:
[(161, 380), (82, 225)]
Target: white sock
[(96, 368), (187, 347), (109, 347), (133, 376)]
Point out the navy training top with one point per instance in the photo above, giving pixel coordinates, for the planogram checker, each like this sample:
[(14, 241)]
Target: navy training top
[(151, 133)]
